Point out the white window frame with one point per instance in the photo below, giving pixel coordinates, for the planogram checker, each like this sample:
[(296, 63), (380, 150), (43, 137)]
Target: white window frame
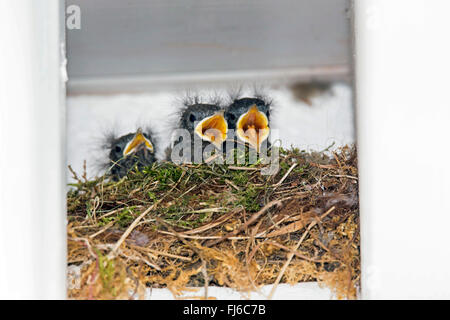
[(32, 158), (401, 68)]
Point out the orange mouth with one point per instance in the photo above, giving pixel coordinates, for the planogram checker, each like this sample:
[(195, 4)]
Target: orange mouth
[(253, 127), (213, 129), (138, 141)]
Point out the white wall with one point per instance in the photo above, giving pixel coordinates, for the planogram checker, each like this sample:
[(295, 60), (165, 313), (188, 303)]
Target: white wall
[(403, 113), (329, 121), (32, 193)]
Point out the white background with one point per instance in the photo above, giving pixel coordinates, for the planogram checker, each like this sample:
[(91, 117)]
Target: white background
[(32, 153), (403, 113), (328, 120)]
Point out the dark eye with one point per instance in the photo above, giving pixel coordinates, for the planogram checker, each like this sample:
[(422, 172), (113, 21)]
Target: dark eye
[(232, 116), (192, 118), (118, 149)]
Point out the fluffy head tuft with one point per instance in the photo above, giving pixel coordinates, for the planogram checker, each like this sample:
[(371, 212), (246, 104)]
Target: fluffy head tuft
[(117, 165)]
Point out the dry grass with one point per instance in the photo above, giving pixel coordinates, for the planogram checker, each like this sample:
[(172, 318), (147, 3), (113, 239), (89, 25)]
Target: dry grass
[(194, 225)]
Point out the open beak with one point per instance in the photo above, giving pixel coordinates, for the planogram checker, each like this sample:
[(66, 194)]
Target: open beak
[(138, 142), (213, 129), (253, 127)]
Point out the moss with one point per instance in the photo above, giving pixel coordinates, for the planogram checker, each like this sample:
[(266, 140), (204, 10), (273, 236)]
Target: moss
[(106, 270), (249, 199), (122, 219), (240, 178), (166, 174)]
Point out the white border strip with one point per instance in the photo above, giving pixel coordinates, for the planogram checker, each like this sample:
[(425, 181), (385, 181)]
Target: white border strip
[(32, 139), (299, 291), (403, 113)]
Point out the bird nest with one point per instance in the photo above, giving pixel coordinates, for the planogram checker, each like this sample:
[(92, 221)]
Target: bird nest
[(182, 227)]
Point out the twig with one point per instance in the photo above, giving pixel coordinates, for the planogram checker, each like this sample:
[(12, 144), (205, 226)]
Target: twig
[(136, 221), (221, 238), (134, 258), (323, 166), (88, 245), (337, 159), (343, 176), (243, 168), (285, 175), (250, 221), (164, 254), (291, 254), (205, 275), (130, 228), (232, 184), (102, 230), (252, 253), (219, 221), (74, 175), (208, 210), (289, 250)]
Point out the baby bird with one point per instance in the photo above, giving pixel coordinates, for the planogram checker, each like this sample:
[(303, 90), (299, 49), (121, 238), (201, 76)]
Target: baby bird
[(250, 120), (204, 128), (133, 150)]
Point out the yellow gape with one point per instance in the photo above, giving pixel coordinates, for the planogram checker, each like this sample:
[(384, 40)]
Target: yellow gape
[(138, 141), (253, 127), (213, 129)]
